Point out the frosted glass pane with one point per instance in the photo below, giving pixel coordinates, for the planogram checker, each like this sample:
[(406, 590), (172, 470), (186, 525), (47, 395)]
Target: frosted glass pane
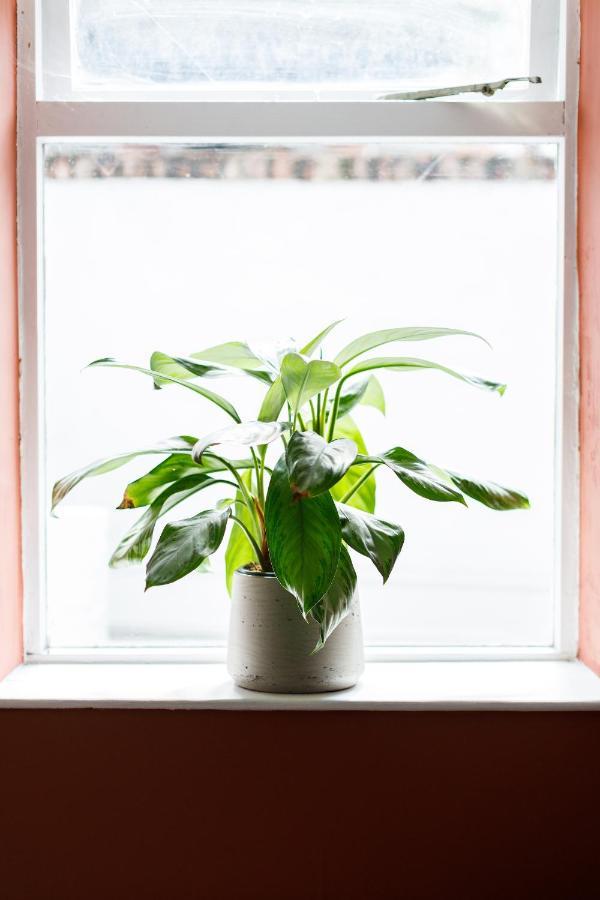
[(296, 43), (176, 247)]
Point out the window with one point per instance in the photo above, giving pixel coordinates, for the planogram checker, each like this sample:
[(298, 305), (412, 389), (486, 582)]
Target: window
[(178, 156)]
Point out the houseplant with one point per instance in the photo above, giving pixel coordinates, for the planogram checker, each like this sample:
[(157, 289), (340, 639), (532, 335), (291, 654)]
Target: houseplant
[(294, 515)]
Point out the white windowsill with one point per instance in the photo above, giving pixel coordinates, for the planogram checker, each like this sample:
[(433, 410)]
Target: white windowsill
[(521, 685)]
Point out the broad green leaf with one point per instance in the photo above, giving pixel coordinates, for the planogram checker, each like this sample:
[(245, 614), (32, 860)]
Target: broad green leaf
[(335, 605), (380, 541), (366, 391), (416, 475), (273, 402), (235, 355), (314, 465), (135, 543), (274, 399), (145, 489), (364, 497), (304, 538), (184, 545), (225, 405), (247, 433), (316, 342), (239, 550), (303, 380), (180, 367), (493, 495), (388, 335), (373, 395), (411, 364), (101, 466)]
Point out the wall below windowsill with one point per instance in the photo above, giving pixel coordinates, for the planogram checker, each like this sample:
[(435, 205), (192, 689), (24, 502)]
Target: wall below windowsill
[(523, 685)]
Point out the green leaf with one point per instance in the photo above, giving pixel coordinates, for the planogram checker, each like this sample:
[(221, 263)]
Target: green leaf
[(416, 475), (145, 489), (380, 541), (302, 380), (364, 497), (239, 550), (388, 335), (247, 433), (225, 405), (273, 402), (492, 495), (184, 545), (235, 355), (274, 399), (410, 364), (335, 605), (367, 392), (65, 485), (314, 465), (373, 395), (304, 538), (316, 342), (135, 543), (180, 367)]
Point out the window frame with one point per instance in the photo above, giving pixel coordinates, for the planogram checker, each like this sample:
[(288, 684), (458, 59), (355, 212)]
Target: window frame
[(194, 119)]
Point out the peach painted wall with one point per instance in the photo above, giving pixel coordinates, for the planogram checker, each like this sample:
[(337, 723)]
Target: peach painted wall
[(589, 283), (11, 646)]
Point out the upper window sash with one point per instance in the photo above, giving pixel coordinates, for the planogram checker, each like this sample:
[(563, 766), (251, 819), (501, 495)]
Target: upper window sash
[(56, 68)]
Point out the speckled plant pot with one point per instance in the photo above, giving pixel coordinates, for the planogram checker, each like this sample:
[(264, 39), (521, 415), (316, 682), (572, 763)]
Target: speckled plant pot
[(270, 644)]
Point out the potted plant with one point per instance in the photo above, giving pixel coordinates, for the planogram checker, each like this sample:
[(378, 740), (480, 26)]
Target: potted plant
[(294, 516)]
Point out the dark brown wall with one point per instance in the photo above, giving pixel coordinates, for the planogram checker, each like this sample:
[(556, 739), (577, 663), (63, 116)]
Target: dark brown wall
[(298, 806)]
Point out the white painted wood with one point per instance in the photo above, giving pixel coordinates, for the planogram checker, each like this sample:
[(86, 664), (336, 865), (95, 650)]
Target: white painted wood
[(29, 213), (566, 583), (384, 686), (217, 654), (189, 119), (180, 119)]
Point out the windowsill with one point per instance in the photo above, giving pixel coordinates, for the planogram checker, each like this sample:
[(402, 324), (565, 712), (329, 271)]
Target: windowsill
[(523, 685)]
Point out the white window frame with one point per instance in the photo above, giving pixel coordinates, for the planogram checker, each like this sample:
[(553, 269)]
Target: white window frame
[(555, 27)]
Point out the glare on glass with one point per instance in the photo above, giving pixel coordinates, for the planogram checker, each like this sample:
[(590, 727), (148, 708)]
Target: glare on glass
[(176, 247), (211, 44)]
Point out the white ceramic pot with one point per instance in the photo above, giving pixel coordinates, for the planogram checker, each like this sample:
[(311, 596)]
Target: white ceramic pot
[(270, 644)]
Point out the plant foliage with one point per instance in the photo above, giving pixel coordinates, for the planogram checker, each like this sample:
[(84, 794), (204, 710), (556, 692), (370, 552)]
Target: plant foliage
[(299, 516)]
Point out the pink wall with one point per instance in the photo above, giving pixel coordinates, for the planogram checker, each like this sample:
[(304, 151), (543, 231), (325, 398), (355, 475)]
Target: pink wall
[(11, 646), (589, 281)]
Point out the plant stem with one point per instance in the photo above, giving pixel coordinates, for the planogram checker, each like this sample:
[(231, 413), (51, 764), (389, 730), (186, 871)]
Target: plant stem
[(313, 416), (242, 487), (317, 424), (358, 484), (324, 411), (336, 406), (261, 476), (256, 469), (250, 537)]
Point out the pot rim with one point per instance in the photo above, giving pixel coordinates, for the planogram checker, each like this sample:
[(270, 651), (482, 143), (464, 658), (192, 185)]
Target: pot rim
[(252, 574)]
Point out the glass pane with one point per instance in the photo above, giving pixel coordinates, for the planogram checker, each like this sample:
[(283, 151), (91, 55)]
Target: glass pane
[(330, 44), (175, 248)]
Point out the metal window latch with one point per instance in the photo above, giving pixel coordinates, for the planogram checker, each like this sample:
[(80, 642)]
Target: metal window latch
[(487, 88)]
